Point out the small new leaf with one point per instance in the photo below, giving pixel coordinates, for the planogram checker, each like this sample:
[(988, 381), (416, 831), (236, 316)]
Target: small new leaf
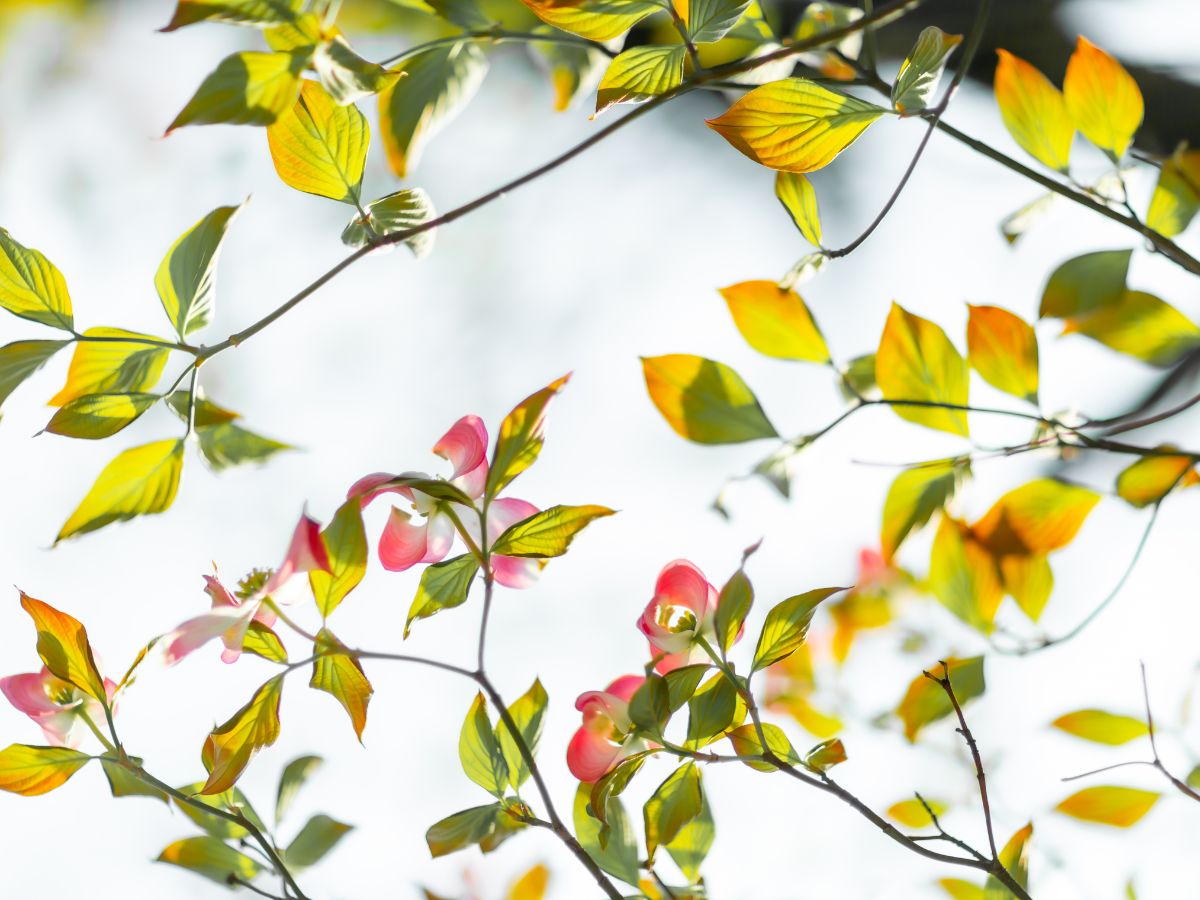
[(444, 585), (922, 69), (787, 625), (548, 533)]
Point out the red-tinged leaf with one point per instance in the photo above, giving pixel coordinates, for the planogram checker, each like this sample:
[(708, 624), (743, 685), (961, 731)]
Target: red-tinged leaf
[(62, 643)]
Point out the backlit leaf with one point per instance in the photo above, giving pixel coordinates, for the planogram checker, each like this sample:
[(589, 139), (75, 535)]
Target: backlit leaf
[(1102, 98), (319, 147), (339, 674), (1153, 477), (211, 858), (391, 214), (345, 543), (227, 444), (1015, 858), (140, 481), (30, 771), (691, 845), (711, 711), (548, 533), (958, 889), (479, 750), (574, 70), (1139, 325), (237, 12), (1120, 807), (527, 711), (531, 886), (964, 576), (710, 20), (746, 742), (295, 774), (1101, 727), (319, 835), (794, 125), (1034, 111), (650, 706), (705, 401), (206, 414), (916, 362), (596, 20), (434, 88), (32, 287), (1029, 580), (787, 625), (99, 415), (186, 278), (673, 805), (617, 854), (915, 495), (521, 436), (112, 365), (444, 585), (463, 829), (1039, 517), (926, 701), (775, 321), (796, 194), (1002, 347), (639, 74), (231, 746), (826, 755), (123, 783), (733, 605), (1176, 197), (249, 88), (912, 813), (922, 69), (20, 359), (1015, 225), (346, 75), (1085, 283)]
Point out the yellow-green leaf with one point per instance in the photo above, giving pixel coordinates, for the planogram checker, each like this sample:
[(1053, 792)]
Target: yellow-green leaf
[(1016, 224), (548, 533), (463, 829), (673, 805), (1085, 283), (434, 88), (1120, 807), (610, 843), (1176, 197), (62, 644), (443, 585), (1029, 580), (1015, 858), (30, 771), (479, 750), (596, 20), (796, 194), (238, 12), (690, 846), (826, 755), (746, 742), (1102, 98), (795, 125), (319, 147), (263, 641), (140, 481), (210, 858), (527, 712), (346, 75), (248, 88), (922, 69), (925, 701), (521, 436), (339, 674), (574, 70), (1153, 477), (1101, 727), (531, 886), (112, 365), (1034, 112), (916, 362), (913, 814), (710, 20), (958, 889), (915, 495), (1039, 517), (964, 576), (294, 775), (787, 625), (230, 747), (1139, 325), (186, 278), (20, 359), (395, 212), (32, 287), (1002, 347), (319, 835), (99, 415), (705, 401), (639, 74), (345, 543), (775, 321), (227, 444)]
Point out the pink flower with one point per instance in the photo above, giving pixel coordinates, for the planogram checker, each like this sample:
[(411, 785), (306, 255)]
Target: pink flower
[(427, 536), (57, 706), (606, 736), (680, 612)]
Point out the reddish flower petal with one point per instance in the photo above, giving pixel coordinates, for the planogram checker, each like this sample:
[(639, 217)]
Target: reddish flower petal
[(590, 756), (403, 544), (681, 583), (306, 552), (465, 446), (196, 632), (516, 572), (219, 593), (28, 694), (625, 686)]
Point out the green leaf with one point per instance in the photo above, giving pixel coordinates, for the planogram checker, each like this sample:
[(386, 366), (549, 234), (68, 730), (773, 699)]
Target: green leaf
[(916, 362), (639, 74), (922, 69), (463, 829), (206, 412), (140, 481), (787, 625), (746, 742), (479, 750), (682, 682), (710, 20), (263, 642), (1085, 283), (319, 147), (186, 278), (522, 434), (95, 416), (294, 775), (775, 321), (705, 401), (319, 835), (675, 803), (32, 287), (650, 705), (210, 858), (249, 88), (124, 783), (711, 710), (228, 445), (1101, 727), (230, 747), (963, 575), (21, 359), (617, 854), (925, 701), (444, 585), (826, 755), (463, 13), (694, 840), (914, 497), (237, 12), (111, 365), (232, 801), (394, 213), (346, 75), (733, 606), (796, 194), (30, 771), (434, 88), (527, 711), (339, 674), (548, 533), (345, 542), (1139, 325)]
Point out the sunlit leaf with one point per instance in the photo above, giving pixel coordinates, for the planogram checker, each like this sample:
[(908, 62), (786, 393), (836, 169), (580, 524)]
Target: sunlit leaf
[(1139, 325), (30, 771), (302, 34), (20, 359), (112, 365), (574, 70), (826, 755), (705, 401), (964, 576), (521, 436), (916, 362), (926, 701), (463, 829), (1034, 111), (227, 444), (775, 321), (915, 495), (186, 278), (639, 74), (206, 413), (346, 75), (1151, 478), (339, 674), (596, 20), (1176, 197), (345, 543), (710, 20), (690, 846), (617, 854), (1085, 283), (434, 88), (319, 147), (1039, 517), (210, 858), (527, 712), (746, 742), (237, 12), (1002, 347), (1101, 727), (712, 710), (1102, 98), (391, 214), (794, 124), (548, 533), (820, 17), (295, 774), (530, 886), (32, 287), (733, 605), (140, 481), (673, 805), (231, 746), (95, 416), (444, 585), (123, 783), (796, 194), (787, 625), (1029, 580), (1120, 807), (319, 835), (466, 14), (958, 889), (922, 69), (249, 88), (479, 750), (913, 814), (1015, 858), (650, 706)]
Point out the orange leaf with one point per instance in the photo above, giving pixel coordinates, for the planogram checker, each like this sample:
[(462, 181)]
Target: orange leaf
[(1002, 347), (1102, 98), (1039, 517), (62, 643)]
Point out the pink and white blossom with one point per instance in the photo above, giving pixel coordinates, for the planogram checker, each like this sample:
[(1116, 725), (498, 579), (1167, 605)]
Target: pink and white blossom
[(680, 613), (57, 706), (606, 736)]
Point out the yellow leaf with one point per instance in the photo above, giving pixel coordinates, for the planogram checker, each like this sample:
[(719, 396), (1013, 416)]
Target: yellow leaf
[(1002, 347), (796, 194), (917, 362), (1039, 517), (1176, 197), (639, 74), (32, 287), (912, 813), (245, 89), (808, 717), (1140, 325), (1101, 727), (230, 747), (1153, 477), (1034, 111), (596, 20), (922, 69), (964, 576), (1029, 580), (705, 401), (960, 890), (531, 885), (775, 321), (99, 415), (926, 701), (1120, 807), (140, 481), (112, 366), (319, 147), (339, 674), (346, 545), (521, 436), (794, 125), (1015, 858), (1102, 98), (30, 771), (915, 495), (62, 644)]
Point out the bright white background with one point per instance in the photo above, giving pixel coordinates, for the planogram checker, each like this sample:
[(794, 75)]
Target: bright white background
[(615, 256)]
